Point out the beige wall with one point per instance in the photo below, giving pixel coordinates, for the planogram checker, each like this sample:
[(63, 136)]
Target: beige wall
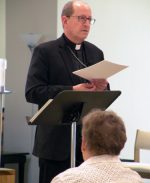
[(2, 29), (23, 16)]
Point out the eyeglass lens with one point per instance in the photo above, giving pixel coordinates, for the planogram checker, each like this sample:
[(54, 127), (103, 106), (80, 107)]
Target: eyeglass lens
[(83, 19)]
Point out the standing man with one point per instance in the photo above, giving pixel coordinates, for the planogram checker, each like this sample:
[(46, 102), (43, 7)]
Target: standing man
[(50, 72)]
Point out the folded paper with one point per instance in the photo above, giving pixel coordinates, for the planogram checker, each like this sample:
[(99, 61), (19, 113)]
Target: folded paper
[(103, 69)]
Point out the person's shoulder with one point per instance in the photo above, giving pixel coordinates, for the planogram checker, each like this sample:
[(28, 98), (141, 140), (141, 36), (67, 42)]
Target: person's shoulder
[(71, 175), (91, 46), (50, 44)]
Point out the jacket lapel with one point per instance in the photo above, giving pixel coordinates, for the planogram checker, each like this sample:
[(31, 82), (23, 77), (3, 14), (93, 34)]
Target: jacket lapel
[(88, 55), (66, 58)]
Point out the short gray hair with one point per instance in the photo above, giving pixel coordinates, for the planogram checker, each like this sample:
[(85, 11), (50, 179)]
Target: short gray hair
[(104, 132), (68, 7)]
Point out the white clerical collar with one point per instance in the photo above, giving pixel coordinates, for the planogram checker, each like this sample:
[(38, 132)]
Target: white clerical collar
[(78, 46)]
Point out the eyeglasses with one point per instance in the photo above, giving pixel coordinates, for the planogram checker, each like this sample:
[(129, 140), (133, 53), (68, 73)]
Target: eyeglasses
[(83, 19)]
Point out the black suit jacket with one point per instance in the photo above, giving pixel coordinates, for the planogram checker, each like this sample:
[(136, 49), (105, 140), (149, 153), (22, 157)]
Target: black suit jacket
[(50, 72)]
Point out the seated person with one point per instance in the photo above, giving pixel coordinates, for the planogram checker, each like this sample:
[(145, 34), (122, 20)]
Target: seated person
[(103, 137)]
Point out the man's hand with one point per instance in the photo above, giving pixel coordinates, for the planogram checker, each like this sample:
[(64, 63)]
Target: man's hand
[(94, 85), (85, 87), (100, 84)]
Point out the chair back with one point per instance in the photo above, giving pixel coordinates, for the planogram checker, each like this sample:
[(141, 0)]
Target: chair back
[(142, 141)]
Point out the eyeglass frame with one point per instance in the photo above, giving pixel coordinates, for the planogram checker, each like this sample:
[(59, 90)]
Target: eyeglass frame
[(83, 19)]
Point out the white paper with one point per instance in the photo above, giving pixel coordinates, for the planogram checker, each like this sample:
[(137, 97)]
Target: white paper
[(103, 69)]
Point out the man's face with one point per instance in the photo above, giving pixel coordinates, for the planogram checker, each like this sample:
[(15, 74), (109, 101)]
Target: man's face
[(77, 26)]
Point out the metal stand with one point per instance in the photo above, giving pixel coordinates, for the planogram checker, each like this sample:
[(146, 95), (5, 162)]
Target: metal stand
[(73, 144), (71, 106), (1, 123)]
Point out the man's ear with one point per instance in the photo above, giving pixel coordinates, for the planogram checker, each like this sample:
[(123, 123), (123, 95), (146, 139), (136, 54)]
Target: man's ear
[(64, 20), (83, 145)]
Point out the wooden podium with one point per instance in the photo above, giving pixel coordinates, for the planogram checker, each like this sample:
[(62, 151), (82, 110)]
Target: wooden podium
[(7, 175)]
